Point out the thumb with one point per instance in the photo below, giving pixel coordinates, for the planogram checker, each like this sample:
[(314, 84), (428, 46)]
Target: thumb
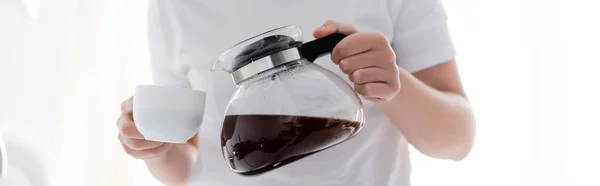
[(330, 27)]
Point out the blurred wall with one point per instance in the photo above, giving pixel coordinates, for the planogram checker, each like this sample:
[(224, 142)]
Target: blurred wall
[(31, 57), (32, 52)]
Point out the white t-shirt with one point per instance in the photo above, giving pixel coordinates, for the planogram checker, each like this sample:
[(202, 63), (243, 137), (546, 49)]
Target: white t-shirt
[(186, 37)]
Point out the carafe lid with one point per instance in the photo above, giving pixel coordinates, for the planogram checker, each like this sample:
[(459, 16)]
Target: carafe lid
[(263, 48), (258, 47)]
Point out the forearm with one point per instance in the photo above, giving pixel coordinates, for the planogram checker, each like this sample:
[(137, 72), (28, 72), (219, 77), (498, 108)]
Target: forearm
[(175, 167), (437, 123)]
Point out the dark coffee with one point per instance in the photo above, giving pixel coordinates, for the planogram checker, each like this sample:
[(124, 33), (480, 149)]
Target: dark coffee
[(254, 144)]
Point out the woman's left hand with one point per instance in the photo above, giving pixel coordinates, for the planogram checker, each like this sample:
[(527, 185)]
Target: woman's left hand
[(367, 58)]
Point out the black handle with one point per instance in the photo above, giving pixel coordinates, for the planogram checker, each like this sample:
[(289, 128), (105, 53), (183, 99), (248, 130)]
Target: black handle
[(320, 47)]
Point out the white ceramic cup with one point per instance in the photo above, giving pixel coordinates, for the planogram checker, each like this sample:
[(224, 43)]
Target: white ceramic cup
[(168, 114)]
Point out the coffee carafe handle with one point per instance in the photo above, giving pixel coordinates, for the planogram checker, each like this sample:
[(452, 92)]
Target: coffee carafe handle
[(320, 47)]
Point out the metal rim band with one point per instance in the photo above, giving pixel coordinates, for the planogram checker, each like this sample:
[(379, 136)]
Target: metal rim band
[(265, 63)]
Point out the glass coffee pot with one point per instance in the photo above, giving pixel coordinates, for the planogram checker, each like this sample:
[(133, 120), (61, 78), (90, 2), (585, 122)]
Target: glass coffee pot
[(286, 107)]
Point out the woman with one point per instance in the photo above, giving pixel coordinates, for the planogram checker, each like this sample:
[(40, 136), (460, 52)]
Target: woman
[(398, 55)]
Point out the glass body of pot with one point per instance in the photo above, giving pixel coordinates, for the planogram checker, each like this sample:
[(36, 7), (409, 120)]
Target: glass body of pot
[(286, 113)]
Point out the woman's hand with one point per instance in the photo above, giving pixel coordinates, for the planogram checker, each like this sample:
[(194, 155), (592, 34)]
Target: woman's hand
[(132, 140), (367, 58), (171, 164)]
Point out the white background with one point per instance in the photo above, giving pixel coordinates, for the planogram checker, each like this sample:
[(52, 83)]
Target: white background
[(530, 68)]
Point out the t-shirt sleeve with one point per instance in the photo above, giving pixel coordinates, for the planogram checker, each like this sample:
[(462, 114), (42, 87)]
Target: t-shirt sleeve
[(167, 70), (421, 37)]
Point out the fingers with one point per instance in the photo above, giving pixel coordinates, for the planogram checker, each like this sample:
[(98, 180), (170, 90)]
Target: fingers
[(360, 43), (367, 58), (373, 75), (376, 83), (127, 105), (127, 127), (132, 140), (330, 27), (139, 144), (382, 59), (376, 91), (125, 123), (148, 153)]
